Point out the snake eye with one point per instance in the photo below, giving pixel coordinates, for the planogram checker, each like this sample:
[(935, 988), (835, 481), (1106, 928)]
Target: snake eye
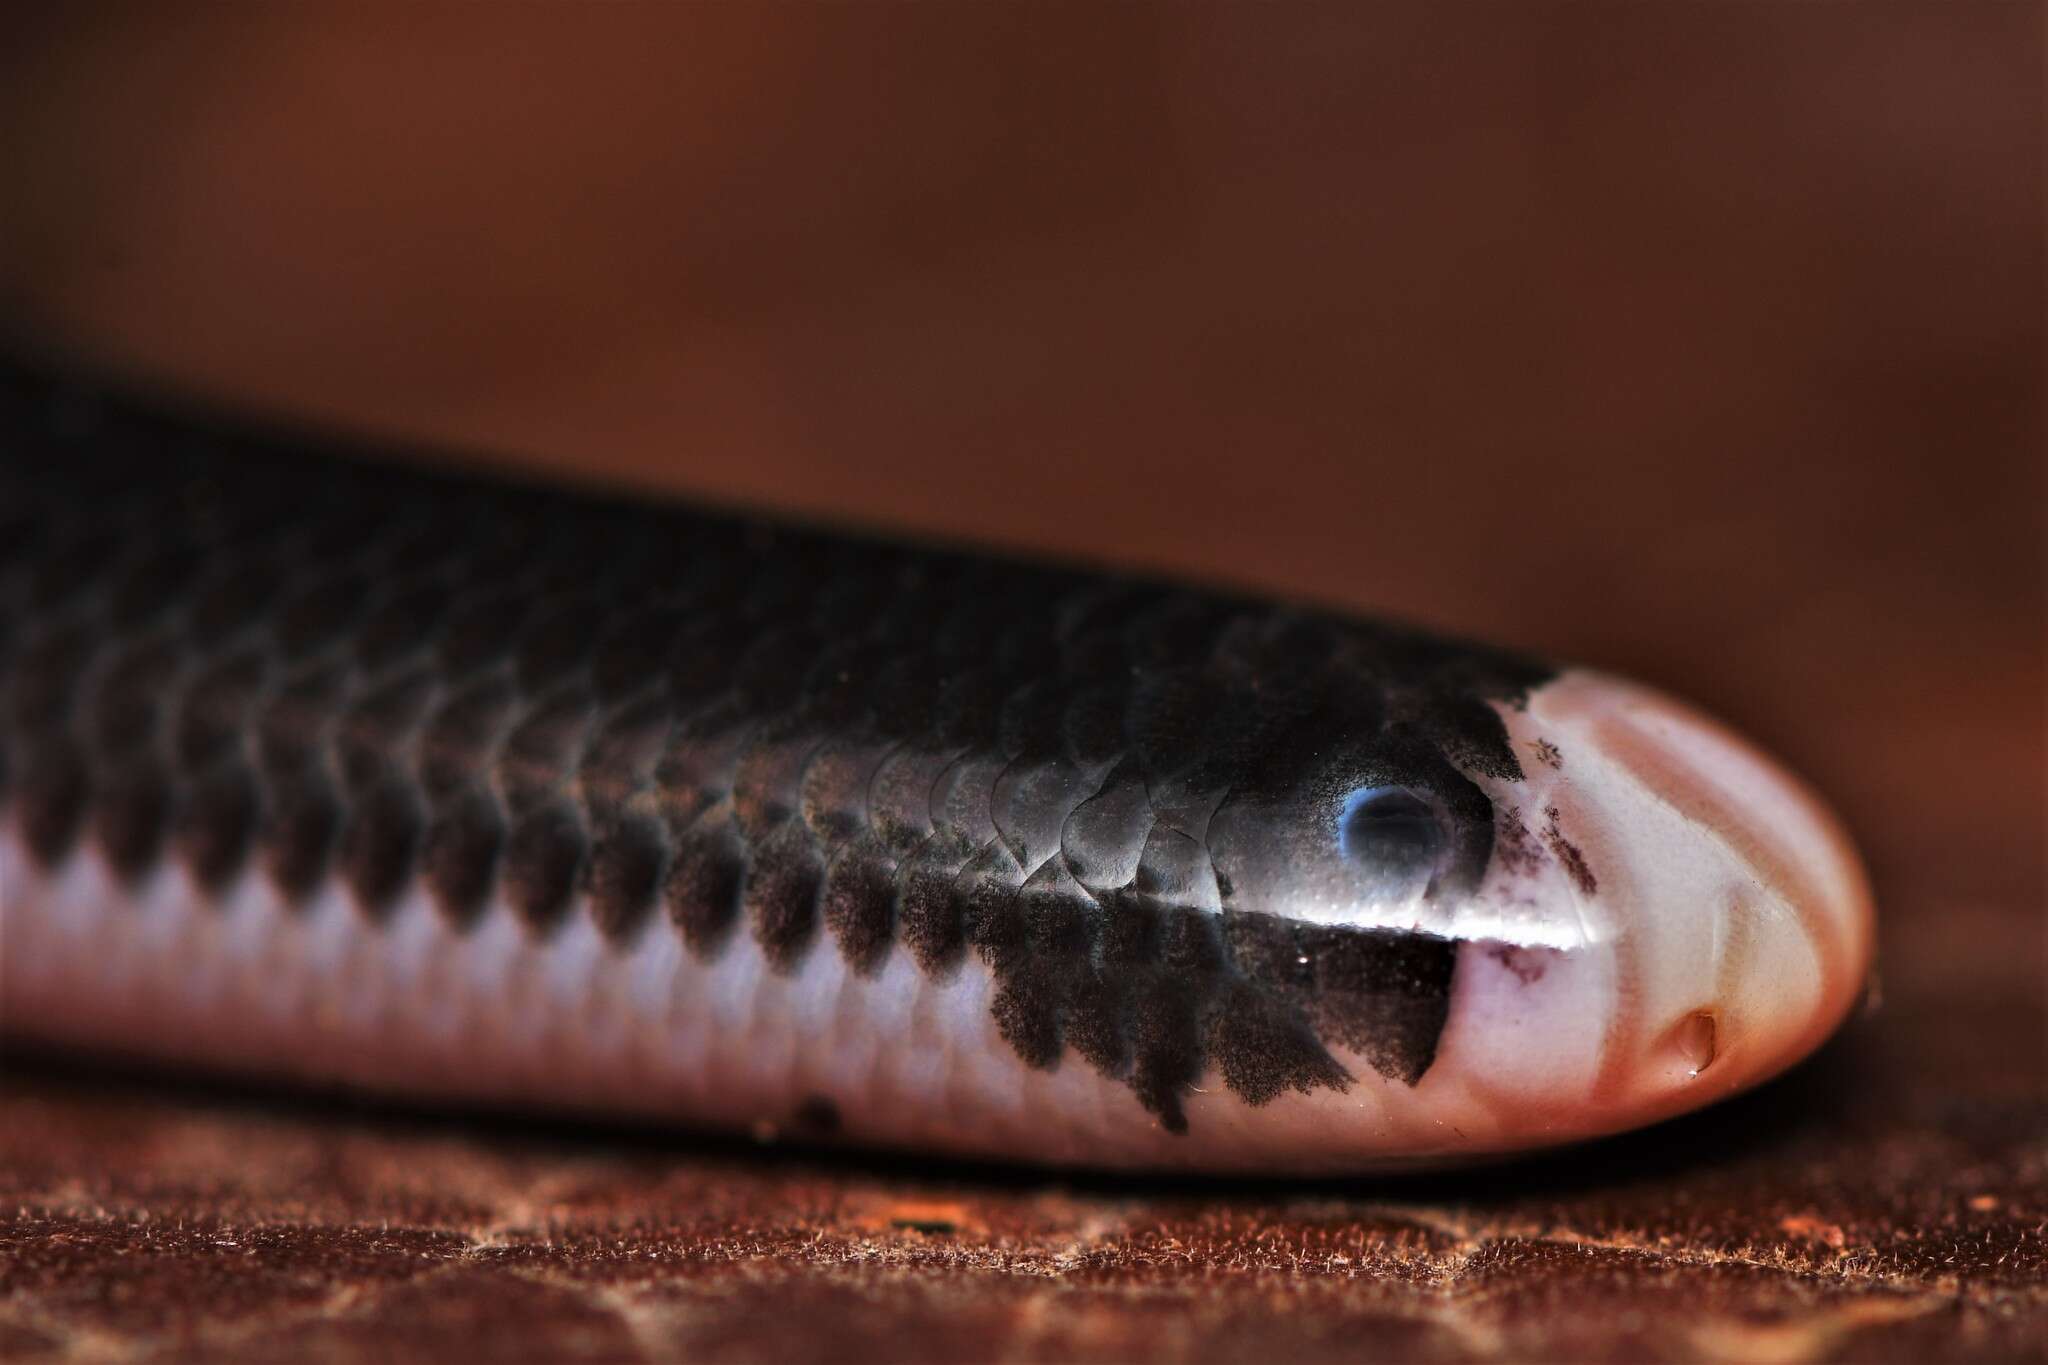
[(1393, 835)]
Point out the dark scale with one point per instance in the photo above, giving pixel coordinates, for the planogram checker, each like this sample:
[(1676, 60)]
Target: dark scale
[(260, 659)]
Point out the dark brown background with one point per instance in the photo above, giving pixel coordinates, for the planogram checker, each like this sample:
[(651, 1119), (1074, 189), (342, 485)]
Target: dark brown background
[(1702, 342)]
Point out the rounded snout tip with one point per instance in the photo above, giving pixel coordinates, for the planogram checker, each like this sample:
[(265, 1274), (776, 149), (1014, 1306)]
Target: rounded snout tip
[(1749, 908)]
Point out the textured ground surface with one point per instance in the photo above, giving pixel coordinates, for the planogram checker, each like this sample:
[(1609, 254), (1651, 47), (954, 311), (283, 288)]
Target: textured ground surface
[(1701, 342)]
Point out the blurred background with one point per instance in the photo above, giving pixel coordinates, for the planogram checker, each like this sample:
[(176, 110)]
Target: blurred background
[(1703, 342)]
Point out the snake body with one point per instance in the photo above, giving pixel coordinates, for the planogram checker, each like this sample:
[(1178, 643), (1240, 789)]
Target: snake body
[(333, 769)]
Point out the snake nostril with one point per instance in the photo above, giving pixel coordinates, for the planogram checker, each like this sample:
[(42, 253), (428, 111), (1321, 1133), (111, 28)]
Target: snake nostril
[(1692, 1042)]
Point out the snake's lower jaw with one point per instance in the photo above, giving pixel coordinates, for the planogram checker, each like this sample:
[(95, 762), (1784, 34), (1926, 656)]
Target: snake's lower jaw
[(1707, 923)]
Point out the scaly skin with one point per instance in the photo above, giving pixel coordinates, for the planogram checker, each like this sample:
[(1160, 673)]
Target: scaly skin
[(431, 786)]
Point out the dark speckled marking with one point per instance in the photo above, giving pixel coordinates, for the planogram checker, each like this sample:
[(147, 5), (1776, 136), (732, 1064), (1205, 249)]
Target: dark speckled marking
[(703, 887), (1514, 847), (858, 905), (51, 794), (299, 834), (1526, 964), (131, 817), (1568, 854), (626, 865), (930, 907), (1382, 993), (217, 825), (543, 859), (1265, 1047), (660, 716), (380, 841), (780, 899), (464, 843)]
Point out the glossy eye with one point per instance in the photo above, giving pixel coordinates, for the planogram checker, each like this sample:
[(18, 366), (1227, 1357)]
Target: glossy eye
[(1393, 835)]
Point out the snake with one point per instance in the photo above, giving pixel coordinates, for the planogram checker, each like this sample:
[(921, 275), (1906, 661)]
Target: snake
[(325, 766)]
